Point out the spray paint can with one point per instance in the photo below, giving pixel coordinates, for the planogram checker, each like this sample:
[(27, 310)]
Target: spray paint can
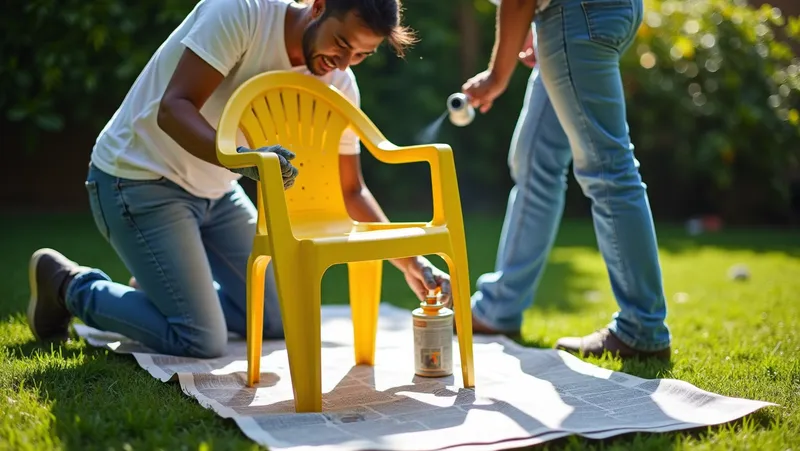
[(461, 112), (433, 338)]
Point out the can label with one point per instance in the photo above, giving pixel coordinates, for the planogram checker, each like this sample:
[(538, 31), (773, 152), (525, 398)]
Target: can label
[(433, 345)]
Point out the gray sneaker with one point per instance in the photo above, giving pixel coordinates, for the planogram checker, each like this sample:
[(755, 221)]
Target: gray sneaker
[(49, 274)]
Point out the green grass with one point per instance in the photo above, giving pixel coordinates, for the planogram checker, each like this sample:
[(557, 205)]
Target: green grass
[(734, 338)]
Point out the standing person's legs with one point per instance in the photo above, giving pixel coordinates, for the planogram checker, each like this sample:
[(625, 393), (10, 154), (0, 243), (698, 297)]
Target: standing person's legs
[(154, 226), (538, 159), (580, 42), (227, 234)]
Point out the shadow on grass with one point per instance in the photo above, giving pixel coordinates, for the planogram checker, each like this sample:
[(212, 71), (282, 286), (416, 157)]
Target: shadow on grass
[(563, 288), (103, 400), (674, 238), (32, 348), (532, 342), (756, 241), (562, 285), (647, 368)]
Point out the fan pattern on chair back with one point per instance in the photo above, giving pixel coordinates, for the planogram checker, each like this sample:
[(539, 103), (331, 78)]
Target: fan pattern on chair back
[(305, 124)]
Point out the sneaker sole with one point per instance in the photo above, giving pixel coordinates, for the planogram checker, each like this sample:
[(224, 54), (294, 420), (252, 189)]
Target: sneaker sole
[(32, 265)]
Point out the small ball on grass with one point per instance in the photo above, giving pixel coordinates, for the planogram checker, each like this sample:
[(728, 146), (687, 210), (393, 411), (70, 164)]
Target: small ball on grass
[(739, 272)]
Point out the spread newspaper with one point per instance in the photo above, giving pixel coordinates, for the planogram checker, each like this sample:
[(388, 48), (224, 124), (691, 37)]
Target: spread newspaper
[(522, 397)]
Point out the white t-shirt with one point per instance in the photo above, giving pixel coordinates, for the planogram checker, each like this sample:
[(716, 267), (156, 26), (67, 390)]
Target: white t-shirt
[(540, 6), (240, 39)]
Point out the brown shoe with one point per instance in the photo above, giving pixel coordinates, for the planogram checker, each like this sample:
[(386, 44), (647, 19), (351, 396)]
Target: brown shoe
[(49, 274), (596, 344)]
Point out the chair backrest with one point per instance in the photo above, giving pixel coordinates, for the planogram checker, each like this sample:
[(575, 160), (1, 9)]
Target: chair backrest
[(304, 115)]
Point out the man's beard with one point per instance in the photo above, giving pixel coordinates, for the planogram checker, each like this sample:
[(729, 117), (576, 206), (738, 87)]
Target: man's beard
[(310, 35)]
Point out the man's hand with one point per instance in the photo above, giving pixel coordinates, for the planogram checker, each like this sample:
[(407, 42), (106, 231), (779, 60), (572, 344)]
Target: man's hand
[(288, 171), (483, 88), (526, 55), (422, 276), (514, 19)]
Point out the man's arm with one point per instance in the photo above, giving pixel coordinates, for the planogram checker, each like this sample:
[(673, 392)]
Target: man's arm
[(514, 19), (360, 204), (219, 36), (179, 115)]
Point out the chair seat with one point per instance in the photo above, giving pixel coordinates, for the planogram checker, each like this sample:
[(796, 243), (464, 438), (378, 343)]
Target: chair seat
[(328, 233), (348, 241)]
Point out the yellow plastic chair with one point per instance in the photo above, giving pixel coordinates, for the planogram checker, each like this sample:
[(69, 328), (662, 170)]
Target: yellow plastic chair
[(307, 229)]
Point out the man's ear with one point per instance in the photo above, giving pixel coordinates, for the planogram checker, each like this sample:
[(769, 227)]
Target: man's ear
[(317, 8)]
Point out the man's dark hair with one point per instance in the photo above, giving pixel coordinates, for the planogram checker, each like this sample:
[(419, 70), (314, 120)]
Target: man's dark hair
[(384, 17)]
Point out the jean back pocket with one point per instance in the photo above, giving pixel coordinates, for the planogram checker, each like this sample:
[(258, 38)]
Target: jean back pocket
[(610, 22)]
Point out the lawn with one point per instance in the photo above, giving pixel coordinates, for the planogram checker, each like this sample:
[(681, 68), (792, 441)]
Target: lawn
[(736, 338)]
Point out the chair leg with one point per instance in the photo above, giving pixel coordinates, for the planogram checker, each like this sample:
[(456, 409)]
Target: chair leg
[(301, 299), (256, 269), (365, 297), (459, 280)]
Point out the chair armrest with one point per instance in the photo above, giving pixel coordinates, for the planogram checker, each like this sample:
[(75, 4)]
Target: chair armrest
[(373, 226), (270, 187), (444, 181), (387, 152)]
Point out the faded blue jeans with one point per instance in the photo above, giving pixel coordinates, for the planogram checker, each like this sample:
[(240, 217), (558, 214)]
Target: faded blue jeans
[(189, 256), (574, 111)]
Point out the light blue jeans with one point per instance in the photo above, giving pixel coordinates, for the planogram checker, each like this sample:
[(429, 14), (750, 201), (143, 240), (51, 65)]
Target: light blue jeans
[(574, 111), (189, 256)]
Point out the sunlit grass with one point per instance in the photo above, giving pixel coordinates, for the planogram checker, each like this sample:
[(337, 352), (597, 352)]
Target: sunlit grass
[(736, 338)]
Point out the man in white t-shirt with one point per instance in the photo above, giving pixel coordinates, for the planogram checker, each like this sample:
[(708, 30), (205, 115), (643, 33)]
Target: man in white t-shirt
[(179, 220)]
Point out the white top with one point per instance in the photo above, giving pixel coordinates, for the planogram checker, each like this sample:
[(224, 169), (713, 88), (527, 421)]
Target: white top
[(240, 39), (539, 6)]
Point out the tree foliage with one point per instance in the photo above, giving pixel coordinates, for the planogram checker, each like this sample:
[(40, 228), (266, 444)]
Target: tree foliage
[(713, 102), (713, 96)]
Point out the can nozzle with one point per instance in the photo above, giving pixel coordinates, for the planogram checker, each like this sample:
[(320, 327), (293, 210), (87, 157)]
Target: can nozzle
[(461, 112), (432, 297), (432, 300)]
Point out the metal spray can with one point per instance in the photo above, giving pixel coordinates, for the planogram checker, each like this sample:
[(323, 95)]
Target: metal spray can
[(433, 338), (461, 112)]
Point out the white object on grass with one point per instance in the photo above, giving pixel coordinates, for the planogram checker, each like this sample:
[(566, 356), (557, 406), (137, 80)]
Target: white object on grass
[(739, 272)]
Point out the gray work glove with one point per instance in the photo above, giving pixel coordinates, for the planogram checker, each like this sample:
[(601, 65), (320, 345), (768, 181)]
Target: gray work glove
[(288, 171)]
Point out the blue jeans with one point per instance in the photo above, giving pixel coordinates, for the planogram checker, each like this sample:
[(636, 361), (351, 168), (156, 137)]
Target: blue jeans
[(189, 257), (574, 111)]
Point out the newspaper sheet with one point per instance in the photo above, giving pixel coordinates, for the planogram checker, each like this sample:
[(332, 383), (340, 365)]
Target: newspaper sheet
[(522, 397)]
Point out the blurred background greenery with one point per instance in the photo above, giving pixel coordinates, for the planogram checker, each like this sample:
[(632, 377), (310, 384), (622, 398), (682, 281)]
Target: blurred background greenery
[(713, 92)]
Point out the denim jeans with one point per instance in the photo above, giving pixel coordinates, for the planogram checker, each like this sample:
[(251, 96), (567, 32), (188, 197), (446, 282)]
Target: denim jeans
[(574, 112), (189, 257)]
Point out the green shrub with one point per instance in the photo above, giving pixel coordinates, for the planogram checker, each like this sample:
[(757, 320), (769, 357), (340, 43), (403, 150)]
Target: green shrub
[(67, 59), (713, 98), (713, 104)]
